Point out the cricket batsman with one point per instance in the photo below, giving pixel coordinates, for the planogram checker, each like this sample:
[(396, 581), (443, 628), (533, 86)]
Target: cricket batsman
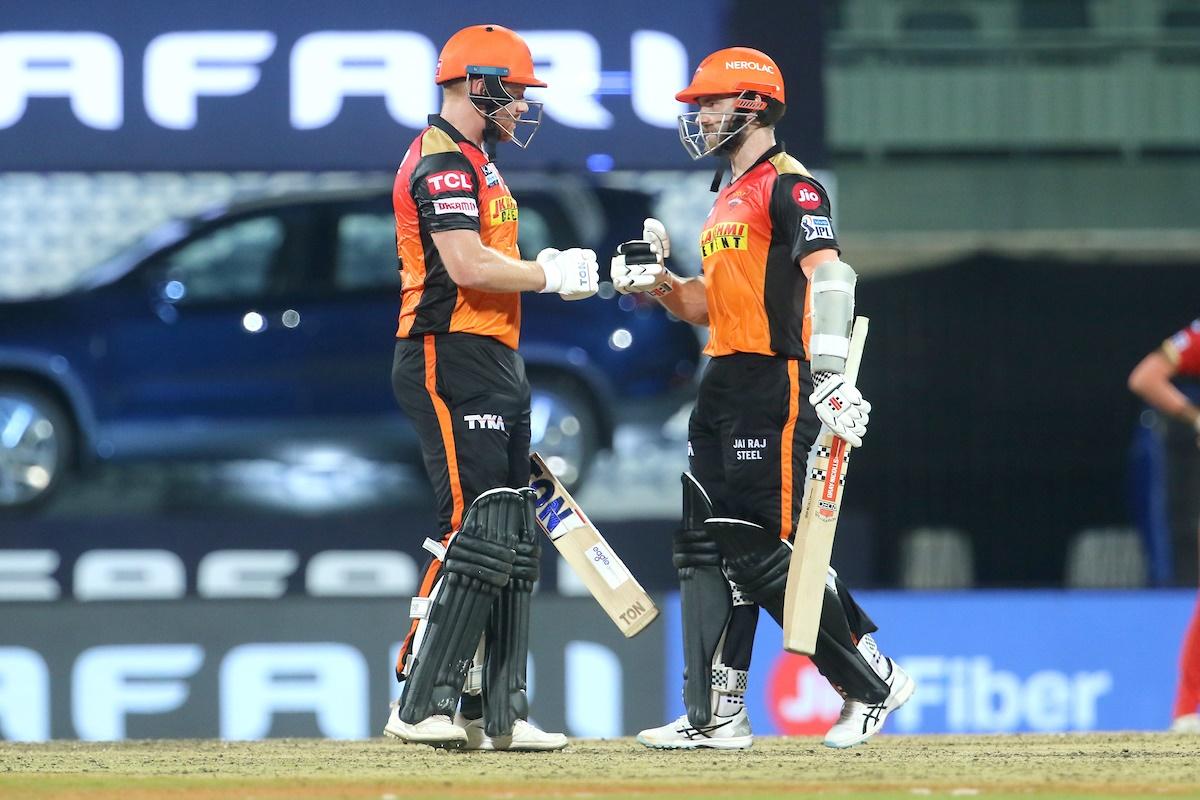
[(778, 302), (456, 363)]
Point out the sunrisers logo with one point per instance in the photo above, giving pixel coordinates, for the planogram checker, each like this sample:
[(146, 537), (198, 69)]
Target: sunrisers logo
[(504, 209), (724, 236)]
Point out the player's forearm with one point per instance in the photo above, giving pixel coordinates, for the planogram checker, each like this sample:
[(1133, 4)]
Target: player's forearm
[(492, 271), (1151, 380), (687, 300)]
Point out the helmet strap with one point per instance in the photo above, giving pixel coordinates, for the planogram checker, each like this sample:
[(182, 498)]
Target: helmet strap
[(491, 137), (718, 176)]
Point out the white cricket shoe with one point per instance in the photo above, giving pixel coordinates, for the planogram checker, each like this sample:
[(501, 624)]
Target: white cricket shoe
[(525, 736), (860, 721), (1186, 723), (435, 731), (722, 733)]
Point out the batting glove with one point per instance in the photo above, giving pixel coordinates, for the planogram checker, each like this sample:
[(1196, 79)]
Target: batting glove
[(572, 273), (840, 406)]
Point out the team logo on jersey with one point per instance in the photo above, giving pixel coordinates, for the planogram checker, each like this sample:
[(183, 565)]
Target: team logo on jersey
[(449, 181), (816, 227), (457, 205), (735, 199), (491, 175), (504, 209), (806, 196), (724, 236)]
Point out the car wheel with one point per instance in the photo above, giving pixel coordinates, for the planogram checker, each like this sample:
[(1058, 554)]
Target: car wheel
[(564, 428), (36, 447)]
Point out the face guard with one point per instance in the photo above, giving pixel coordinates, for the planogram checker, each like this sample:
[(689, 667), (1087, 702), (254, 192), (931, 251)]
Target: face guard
[(699, 143), (496, 106)]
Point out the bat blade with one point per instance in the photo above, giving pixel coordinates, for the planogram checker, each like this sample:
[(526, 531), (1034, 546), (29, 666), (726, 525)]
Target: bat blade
[(583, 547), (815, 529)]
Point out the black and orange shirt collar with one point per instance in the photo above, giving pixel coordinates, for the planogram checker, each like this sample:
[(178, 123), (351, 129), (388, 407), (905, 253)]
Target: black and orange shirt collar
[(439, 122), (770, 153)]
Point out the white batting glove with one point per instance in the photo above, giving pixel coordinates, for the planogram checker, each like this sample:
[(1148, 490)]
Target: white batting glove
[(840, 406), (655, 232), (572, 273), (638, 267)]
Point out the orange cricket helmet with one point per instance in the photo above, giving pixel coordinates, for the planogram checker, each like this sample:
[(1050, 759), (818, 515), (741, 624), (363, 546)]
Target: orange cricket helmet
[(747, 74), (732, 71), (486, 50)]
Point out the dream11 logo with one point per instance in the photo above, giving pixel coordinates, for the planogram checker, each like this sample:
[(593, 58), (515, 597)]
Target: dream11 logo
[(324, 67), (801, 701)]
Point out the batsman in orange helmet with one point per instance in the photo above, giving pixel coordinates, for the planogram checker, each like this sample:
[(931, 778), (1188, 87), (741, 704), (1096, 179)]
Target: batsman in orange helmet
[(456, 365), (778, 302)]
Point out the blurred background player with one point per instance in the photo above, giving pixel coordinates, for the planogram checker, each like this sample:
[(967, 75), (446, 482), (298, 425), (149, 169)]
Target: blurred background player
[(1151, 380), (457, 374), (778, 303)]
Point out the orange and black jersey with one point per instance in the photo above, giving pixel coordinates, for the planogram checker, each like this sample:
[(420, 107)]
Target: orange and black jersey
[(445, 183), (760, 226)]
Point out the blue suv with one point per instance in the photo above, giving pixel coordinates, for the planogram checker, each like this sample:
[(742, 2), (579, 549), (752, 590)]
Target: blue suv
[(259, 329)]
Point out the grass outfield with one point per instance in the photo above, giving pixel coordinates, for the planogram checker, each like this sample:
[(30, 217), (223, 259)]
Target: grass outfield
[(1063, 766)]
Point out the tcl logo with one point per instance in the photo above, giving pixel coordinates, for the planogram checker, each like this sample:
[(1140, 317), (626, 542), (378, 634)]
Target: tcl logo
[(754, 65), (447, 181), (800, 700), (806, 196)]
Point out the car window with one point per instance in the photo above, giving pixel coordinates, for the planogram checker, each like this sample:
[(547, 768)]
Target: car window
[(229, 262), (534, 233), (366, 256), (366, 251)]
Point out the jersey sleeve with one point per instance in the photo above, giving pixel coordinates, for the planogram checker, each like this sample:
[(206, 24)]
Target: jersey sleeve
[(1183, 350), (801, 215), (445, 188)]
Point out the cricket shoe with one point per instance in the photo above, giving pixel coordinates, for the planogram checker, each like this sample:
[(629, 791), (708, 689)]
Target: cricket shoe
[(435, 731), (860, 721), (1186, 723), (722, 733), (525, 736)]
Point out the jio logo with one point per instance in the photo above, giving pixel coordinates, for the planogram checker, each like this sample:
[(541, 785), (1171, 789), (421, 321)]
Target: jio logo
[(806, 196), (801, 701)]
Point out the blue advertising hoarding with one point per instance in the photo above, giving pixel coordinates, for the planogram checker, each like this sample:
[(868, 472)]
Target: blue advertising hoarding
[(305, 85), (252, 669), (985, 662)]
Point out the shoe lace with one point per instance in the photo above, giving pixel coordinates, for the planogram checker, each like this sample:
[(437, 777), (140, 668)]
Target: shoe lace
[(683, 725)]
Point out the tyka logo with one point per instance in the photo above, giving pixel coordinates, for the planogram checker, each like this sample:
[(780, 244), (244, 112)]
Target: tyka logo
[(493, 422)]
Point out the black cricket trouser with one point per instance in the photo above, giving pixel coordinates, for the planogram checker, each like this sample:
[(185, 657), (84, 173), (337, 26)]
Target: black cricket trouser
[(468, 399), (748, 442), (749, 437)]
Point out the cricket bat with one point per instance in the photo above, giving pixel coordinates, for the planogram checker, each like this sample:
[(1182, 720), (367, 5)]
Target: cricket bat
[(582, 546), (813, 544)]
